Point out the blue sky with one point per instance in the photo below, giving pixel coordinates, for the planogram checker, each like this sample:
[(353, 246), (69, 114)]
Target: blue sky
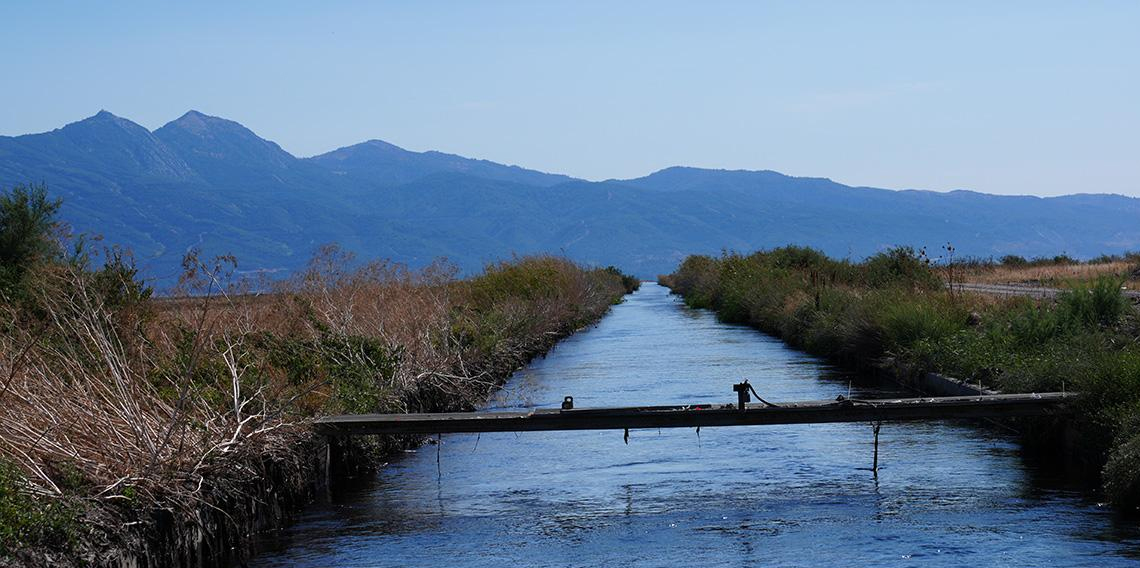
[(1003, 97)]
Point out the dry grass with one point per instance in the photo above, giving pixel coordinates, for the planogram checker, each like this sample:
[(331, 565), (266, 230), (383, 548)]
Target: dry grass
[(160, 404), (86, 413), (1044, 275)]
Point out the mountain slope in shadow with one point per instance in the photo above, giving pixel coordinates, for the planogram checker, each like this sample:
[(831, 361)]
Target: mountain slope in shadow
[(202, 181)]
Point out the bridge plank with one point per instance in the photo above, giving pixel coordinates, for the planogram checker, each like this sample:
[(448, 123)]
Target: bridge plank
[(703, 415)]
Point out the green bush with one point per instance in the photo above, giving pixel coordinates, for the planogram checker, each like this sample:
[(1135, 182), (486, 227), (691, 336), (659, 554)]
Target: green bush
[(697, 281), (629, 283), (525, 279), (907, 321), (117, 282), (900, 266), (1122, 470), (1035, 325), (801, 258), (1100, 303), (1105, 259), (1014, 260), (27, 222), (361, 371), (893, 311), (28, 522)]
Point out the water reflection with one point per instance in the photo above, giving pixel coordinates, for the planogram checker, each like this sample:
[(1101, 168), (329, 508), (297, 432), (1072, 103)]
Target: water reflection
[(947, 494)]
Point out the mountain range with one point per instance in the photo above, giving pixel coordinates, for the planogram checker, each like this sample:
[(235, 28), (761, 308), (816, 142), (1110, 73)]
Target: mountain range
[(207, 182)]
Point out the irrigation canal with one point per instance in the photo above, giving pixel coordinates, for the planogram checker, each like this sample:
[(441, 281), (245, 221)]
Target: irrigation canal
[(948, 493)]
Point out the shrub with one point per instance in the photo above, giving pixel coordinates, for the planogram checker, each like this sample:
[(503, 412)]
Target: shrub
[(1105, 259), (27, 221), (1013, 260), (1122, 470), (205, 391), (361, 371), (697, 281), (801, 258), (26, 521), (1100, 303), (630, 283), (907, 321), (892, 311), (1035, 325), (900, 266)]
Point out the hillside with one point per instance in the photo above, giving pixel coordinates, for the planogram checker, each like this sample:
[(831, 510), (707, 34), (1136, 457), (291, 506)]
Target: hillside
[(209, 182), (377, 161)]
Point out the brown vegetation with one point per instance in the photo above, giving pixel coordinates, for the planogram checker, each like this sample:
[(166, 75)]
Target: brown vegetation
[(116, 405), (1047, 274)]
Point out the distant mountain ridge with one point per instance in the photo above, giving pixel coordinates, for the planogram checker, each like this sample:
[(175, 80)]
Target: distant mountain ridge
[(379, 161), (208, 182)]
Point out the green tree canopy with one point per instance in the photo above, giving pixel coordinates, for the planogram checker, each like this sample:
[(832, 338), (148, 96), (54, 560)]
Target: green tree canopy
[(27, 221)]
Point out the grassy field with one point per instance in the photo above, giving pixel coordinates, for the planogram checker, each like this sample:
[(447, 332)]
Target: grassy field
[(118, 405), (893, 312), (1049, 274)]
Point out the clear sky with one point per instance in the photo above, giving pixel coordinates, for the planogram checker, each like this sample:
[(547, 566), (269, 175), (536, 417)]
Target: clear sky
[(1002, 97)]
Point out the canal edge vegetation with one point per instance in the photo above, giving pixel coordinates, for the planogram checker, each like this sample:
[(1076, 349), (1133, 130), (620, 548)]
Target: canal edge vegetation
[(163, 431), (894, 313)]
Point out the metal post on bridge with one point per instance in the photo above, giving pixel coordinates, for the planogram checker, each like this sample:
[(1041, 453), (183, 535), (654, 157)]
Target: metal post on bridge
[(742, 397)]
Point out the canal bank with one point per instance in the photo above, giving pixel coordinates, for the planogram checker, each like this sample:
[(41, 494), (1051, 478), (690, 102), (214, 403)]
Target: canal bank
[(947, 493), (275, 487), (170, 449)]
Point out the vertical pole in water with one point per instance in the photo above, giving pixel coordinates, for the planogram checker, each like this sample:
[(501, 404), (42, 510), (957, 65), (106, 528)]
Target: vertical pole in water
[(875, 463)]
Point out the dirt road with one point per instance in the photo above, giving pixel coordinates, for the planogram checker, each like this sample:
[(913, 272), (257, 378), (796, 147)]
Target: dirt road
[(1021, 290)]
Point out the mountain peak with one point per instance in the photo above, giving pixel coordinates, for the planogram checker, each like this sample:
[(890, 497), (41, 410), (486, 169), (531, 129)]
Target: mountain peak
[(693, 170), (103, 119), (225, 151), (377, 160), (104, 142), (199, 123), (382, 145), (227, 190), (198, 116), (677, 178), (211, 133), (103, 116)]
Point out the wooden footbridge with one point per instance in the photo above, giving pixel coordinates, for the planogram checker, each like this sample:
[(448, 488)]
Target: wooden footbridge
[(705, 415)]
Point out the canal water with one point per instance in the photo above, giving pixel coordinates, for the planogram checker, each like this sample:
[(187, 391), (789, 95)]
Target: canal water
[(947, 494)]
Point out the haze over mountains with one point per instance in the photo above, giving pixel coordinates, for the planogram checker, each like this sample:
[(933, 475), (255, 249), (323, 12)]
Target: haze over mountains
[(212, 183)]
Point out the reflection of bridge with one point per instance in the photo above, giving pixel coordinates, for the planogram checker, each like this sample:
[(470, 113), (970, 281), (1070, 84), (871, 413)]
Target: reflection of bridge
[(699, 415)]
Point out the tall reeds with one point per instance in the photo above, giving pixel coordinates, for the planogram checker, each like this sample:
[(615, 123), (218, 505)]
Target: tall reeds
[(115, 404)]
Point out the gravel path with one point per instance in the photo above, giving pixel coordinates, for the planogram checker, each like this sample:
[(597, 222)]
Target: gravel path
[(1021, 290)]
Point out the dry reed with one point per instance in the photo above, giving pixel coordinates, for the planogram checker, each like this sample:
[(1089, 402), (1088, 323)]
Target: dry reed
[(159, 404)]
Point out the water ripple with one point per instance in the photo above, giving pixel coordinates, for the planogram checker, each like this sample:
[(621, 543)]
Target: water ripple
[(948, 493)]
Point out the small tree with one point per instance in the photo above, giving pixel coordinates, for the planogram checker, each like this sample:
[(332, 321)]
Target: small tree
[(27, 221)]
